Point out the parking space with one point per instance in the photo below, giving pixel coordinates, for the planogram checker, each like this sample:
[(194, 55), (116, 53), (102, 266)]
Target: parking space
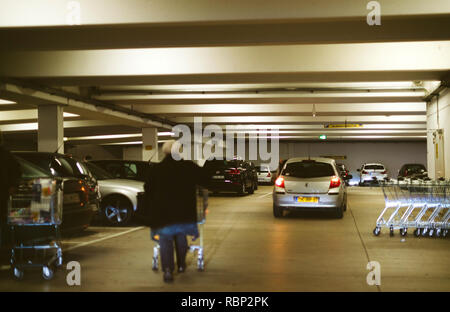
[(247, 249)]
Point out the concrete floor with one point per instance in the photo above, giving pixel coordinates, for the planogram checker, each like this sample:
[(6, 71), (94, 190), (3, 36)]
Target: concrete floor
[(246, 249)]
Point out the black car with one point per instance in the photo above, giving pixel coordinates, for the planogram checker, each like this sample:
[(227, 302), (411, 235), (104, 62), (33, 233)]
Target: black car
[(80, 192), (344, 172), (125, 169), (231, 176), (413, 171)]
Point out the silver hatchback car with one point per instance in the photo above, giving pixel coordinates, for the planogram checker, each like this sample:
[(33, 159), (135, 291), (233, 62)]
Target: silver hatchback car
[(310, 184)]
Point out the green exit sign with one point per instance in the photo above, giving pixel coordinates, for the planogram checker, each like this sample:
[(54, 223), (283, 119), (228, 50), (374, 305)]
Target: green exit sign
[(322, 137)]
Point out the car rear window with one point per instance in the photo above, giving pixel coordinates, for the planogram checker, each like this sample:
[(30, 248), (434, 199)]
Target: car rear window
[(220, 164), (262, 168), (308, 169), (374, 167), (415, 168)]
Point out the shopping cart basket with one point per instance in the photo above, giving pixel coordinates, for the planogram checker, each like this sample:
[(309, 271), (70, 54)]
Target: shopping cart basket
[(202, 205), (419, 204), (34, 217)]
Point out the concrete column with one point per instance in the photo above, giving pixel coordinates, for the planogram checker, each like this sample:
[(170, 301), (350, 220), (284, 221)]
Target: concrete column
[(150, 144), (50, 128), (438, 136)]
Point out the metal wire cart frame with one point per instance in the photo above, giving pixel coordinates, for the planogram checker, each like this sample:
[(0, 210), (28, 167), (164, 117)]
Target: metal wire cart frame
[(423, 205), (202, 205), (34, 218)]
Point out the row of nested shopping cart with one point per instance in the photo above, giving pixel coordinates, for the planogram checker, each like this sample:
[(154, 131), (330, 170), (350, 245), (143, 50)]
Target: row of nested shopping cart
[(419, 204)]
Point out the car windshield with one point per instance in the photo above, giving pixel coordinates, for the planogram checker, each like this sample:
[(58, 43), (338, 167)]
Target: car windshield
[(31, 171), (373, 167), (308, 169), (98, 172)]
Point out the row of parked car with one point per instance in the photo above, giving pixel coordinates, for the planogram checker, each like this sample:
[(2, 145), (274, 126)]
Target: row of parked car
[(105, 189), (111, 189)]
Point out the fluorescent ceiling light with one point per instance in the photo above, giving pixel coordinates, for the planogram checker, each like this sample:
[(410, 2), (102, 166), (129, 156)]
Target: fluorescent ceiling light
[(132, 143), (105, 137), (6, 102), (166, 134), (70, 115)]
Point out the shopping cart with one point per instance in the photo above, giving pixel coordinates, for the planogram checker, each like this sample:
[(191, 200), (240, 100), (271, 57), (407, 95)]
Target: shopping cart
[(34, 217), (202, 205), (423, 205)]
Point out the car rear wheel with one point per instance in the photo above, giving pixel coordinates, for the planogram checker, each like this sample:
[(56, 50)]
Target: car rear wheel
[(277, 211), (242, 189), (340, 212), (252, 189), (116, 210)]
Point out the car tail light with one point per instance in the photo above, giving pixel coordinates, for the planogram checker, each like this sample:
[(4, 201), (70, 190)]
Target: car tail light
[(364, 172), (86, 195), (234, 171), (279, 182), (268, 175), (335, 182), (384, 172)]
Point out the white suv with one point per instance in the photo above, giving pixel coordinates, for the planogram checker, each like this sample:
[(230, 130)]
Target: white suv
[(372, 173)]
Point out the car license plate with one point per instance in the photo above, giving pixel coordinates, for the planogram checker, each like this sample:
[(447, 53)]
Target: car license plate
[(218, 177), (71, 198), (300, 199)]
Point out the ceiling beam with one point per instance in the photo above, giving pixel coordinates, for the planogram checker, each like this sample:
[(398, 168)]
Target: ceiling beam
[(389, 61), (397, 119), (285, 109)]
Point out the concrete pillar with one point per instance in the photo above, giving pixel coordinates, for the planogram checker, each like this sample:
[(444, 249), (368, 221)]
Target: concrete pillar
[(50, 128), (150, 144), (438, 136)]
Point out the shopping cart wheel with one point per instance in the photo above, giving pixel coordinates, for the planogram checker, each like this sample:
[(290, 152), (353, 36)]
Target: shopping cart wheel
[(438, 232), (18, 274), (403, 232), (391, 231), (431, 232), (47, 273), (417, 232), (444, 233), (376, 231), (200, 265), (424, 232), (155, 264)]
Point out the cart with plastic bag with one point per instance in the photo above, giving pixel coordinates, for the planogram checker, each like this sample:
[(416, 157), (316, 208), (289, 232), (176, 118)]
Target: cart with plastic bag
[(34, 219), (202, 205)]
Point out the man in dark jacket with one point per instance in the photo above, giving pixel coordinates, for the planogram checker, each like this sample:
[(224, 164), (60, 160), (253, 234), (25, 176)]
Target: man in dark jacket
[(10, 173), (171, 203)]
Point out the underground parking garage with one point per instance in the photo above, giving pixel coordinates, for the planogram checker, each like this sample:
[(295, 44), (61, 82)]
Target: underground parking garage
[(321, 131)]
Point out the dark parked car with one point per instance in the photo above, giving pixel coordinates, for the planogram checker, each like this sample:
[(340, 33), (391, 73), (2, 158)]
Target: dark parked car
[(344, 172), (80, 192), (413, 171), (125, 169), (231, 176)]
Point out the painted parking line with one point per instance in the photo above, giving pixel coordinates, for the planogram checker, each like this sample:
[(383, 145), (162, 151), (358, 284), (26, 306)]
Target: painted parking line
[(104, 238), (264, 195)]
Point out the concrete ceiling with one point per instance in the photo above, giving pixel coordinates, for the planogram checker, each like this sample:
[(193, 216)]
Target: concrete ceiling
[(294, 65)]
